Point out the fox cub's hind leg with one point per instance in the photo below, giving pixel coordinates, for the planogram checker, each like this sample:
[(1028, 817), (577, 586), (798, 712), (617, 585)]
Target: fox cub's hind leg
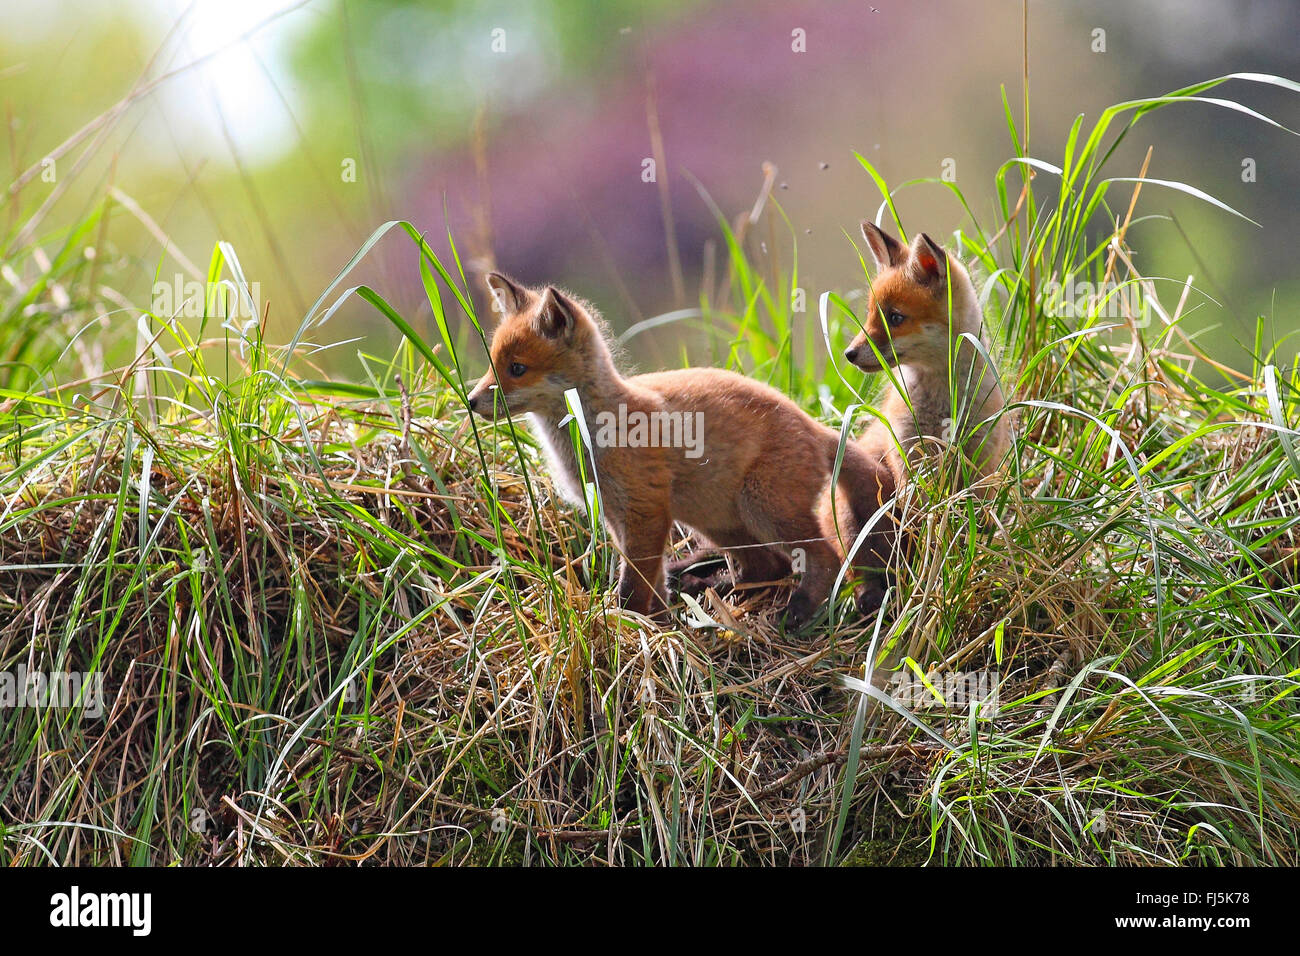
[(755, 563), (753, 559), (789, 529), (643, 537), (871, 560), (872, 579), (872, 486), (815, 585)]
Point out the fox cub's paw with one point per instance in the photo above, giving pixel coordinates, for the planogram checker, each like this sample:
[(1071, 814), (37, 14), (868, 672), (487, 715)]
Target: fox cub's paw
[(798, 612), (870, 595)]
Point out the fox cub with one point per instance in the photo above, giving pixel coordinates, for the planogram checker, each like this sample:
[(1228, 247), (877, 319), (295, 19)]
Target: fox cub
[(729, 457), (951, 389)]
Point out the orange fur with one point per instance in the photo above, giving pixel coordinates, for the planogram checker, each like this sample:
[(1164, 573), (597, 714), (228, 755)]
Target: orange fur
[(920, 304), (761, 485)]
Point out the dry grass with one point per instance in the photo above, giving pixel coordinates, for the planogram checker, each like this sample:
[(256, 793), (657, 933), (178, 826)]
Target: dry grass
[(504, 712)]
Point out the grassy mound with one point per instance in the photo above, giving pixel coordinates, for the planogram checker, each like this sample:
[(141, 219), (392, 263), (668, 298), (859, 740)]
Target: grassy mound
[(340, 622)]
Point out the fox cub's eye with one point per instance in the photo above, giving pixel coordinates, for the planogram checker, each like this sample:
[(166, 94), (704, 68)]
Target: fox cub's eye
[(517, 369), (895, 318)]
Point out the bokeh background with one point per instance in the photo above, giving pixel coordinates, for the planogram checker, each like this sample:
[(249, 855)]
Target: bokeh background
[(293, 129)]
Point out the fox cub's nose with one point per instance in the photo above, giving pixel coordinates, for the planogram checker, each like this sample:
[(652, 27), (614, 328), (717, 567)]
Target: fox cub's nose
[(851, 354)]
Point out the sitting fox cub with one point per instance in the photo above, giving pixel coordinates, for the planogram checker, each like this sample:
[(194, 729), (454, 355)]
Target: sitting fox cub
[(908, 324), (755, 478)]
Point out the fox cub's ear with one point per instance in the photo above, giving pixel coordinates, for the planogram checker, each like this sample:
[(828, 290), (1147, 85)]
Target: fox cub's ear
[(508, 296), (558, 316), (885, 249), (928, 261)]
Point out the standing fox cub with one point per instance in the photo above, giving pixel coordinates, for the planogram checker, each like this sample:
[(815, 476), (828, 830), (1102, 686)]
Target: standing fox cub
[(950, 388), (729, 457)]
